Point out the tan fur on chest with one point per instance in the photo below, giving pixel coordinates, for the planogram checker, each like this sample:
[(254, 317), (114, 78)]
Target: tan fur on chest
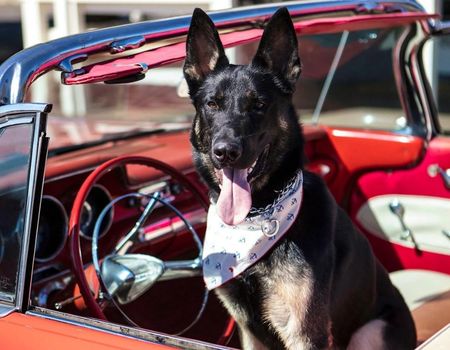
[(285, 305)]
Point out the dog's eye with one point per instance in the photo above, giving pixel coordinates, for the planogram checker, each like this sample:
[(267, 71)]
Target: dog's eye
[(212, 105), (259, 105)]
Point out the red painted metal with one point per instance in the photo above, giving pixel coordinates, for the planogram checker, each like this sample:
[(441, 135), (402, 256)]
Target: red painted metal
[(352, 152), (74, 221), (22, 331), (130, 65), (415, 180), (369, 149), (397, 257)]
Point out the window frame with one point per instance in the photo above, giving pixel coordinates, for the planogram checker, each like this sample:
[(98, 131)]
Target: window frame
[(36, 115)]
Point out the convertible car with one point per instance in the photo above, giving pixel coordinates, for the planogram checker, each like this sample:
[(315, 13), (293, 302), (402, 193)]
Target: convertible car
[(102, 213)]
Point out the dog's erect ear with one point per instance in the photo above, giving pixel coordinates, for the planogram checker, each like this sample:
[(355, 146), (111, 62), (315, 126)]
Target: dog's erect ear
[(278, 49), (204, 50)]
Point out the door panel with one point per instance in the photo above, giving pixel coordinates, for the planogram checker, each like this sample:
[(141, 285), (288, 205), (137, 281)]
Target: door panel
[(377, 217), (347, 153), (359, 151), (425, 199)]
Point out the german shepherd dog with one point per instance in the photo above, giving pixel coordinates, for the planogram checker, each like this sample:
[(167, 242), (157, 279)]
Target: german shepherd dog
[(319, 286)]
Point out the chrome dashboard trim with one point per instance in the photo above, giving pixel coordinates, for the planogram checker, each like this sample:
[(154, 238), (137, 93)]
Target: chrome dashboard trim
[(195, 217), (156, 186)]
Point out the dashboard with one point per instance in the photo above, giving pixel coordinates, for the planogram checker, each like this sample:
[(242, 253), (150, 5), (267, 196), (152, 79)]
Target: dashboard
[(164, 235)]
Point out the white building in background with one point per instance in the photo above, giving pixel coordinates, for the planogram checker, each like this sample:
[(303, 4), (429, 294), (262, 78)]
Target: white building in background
[(9, 11), (70, 17)]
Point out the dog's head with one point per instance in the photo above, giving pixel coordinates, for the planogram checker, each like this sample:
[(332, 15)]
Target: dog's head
[(245, 126)]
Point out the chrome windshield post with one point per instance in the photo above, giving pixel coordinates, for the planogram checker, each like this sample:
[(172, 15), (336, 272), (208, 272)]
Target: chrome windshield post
[(21, 183)]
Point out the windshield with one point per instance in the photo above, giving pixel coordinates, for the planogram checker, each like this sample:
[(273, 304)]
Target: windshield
[(347, 80), (93, 112)]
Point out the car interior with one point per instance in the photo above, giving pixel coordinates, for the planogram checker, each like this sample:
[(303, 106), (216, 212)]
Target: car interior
[(123, 210)]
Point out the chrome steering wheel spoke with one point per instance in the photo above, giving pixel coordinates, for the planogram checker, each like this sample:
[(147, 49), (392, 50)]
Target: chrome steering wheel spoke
[(133, 236)]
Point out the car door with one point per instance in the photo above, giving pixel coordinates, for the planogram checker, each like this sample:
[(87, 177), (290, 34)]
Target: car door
[(405, 212)]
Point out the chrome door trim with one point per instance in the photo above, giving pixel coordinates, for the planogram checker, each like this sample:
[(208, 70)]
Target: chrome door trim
[(126, 331)]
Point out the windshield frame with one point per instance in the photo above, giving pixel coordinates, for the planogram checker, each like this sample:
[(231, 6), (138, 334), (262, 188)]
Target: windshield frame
[(18, 72), (34, 115)]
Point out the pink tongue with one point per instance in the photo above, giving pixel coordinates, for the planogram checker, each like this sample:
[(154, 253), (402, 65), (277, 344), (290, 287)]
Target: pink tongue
[(235, 199)]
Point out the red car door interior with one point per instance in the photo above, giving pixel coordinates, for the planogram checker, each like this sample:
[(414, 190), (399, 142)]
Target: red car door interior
[(422, 193)]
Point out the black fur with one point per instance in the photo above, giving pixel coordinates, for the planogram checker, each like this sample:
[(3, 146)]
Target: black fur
[(251, 107)]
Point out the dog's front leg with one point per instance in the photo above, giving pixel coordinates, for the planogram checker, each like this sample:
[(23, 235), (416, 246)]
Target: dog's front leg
[(300, 320), (240, 315), (249, 341)]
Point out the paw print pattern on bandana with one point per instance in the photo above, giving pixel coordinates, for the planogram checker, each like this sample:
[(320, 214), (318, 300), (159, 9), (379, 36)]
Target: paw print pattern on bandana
[(230, 250)]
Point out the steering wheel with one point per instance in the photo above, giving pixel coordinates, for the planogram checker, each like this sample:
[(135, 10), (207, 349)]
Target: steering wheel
[(127, 261)]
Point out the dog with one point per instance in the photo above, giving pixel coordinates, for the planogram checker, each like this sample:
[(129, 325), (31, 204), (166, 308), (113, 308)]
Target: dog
[(318, 286)]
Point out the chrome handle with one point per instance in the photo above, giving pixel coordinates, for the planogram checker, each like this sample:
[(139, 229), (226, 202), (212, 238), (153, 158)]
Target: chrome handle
[(446, 233), (435, 170), (59, 305), (182, 269), (398, 210)]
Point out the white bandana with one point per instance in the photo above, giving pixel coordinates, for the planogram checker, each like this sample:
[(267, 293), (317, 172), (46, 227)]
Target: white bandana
[(230, 250)]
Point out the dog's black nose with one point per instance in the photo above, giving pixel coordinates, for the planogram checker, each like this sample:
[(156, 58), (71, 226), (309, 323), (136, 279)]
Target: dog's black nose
[(227, 152)]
